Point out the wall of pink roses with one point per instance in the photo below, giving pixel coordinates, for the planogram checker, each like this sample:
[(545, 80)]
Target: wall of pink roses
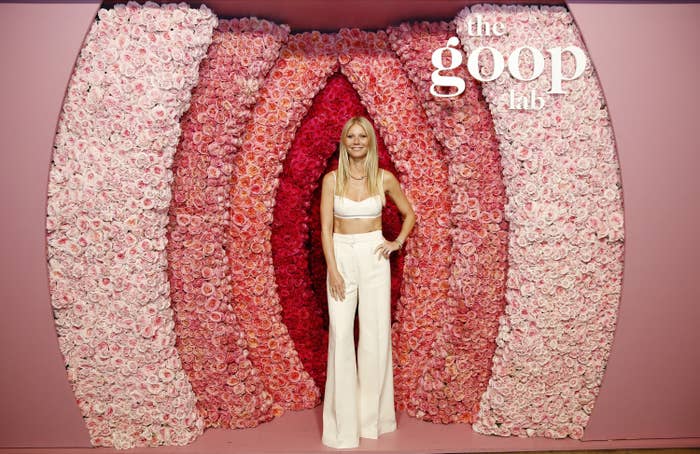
[(182, 210), (176, 294)]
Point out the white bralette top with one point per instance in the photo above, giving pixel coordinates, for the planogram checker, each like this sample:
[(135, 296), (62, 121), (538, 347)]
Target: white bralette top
[(368, 208)]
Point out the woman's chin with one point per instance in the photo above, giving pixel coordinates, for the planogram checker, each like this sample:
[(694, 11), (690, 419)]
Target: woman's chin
[(357, 155)]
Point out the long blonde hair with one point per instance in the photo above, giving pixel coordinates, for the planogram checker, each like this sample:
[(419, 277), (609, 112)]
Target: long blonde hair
[(373, 183)]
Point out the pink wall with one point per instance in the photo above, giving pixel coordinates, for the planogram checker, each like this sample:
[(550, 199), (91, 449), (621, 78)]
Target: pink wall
[(647, 59), (40, 43)]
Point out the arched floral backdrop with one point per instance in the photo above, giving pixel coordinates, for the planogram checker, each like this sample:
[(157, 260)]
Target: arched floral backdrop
[(185, 268)]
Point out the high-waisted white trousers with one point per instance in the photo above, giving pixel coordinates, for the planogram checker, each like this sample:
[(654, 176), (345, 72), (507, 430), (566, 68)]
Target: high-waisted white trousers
[(359, 397)]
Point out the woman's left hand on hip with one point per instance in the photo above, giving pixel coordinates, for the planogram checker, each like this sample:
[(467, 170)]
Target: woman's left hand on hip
[(386, 248)]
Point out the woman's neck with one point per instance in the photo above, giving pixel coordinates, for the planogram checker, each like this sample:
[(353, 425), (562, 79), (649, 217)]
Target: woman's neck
[(357, 167)]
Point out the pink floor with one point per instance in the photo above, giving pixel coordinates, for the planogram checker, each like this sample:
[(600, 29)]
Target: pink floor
[(300, 432)]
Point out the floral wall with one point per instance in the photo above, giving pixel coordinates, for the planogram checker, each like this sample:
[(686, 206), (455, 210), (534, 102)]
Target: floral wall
[(185, 274)]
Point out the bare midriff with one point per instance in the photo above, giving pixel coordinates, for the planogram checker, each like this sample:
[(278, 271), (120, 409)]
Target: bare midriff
[(350, 226)]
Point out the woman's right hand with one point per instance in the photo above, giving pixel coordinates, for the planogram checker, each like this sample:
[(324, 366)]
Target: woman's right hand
[(336, 285)]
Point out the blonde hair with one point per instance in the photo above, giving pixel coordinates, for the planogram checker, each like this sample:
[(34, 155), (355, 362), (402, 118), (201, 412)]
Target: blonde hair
[(373, 182)]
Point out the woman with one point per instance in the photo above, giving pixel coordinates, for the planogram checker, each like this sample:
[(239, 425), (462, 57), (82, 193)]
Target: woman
[(359, 398)]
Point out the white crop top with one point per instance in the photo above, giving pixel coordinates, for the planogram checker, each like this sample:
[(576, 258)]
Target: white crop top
[(345, 208)]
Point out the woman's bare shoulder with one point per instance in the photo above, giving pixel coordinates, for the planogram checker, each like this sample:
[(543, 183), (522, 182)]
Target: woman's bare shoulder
[(328, 178), (387, 176)]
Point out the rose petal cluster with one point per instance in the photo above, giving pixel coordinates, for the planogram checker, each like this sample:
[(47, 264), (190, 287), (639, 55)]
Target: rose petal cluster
[(566, 239), (464, 128), (108, 197), (212, 345)]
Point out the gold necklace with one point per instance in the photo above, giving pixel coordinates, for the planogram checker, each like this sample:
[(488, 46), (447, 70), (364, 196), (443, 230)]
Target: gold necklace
[(356, 178)]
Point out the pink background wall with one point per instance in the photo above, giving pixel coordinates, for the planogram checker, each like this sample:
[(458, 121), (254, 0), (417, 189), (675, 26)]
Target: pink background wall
[(39, 45), (647, 59)]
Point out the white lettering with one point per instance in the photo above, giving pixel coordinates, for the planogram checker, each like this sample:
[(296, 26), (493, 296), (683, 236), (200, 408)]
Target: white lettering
[(557, 76), (456, 58), (473, 64), (484, 28), (523, 103), (447, 81), (514, 63)]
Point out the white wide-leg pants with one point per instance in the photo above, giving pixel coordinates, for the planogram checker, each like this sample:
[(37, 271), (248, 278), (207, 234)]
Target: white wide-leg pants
[(359, 397)]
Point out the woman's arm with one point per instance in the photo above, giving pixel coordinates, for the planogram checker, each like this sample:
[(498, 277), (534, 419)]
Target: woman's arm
[(335, 280), (393, 189)]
